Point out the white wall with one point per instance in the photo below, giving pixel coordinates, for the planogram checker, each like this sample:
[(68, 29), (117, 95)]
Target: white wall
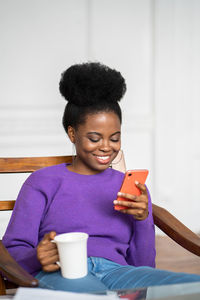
[(154, 43), (177, 108)]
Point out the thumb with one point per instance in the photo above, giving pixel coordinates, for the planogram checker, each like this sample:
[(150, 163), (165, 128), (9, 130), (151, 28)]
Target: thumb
[(52, 235), (48, 237)]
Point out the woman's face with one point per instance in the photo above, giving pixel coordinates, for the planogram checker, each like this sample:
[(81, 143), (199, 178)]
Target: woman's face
[(97, 142)]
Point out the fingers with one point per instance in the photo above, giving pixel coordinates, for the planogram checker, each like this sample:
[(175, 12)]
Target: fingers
[(139, 210), (48, 260), (47, 253), (141, 187), (127, 196), (45, 259), (139, 213), (134, 205)]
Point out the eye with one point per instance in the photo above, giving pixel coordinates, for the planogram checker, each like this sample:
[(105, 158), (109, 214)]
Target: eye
[(114, 140), (94, 141)]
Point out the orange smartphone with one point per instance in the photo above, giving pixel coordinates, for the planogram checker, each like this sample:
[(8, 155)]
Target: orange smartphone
[(129, 186)]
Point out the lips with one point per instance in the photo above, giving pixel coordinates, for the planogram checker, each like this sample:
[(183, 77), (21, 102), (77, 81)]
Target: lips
[(104, 160)]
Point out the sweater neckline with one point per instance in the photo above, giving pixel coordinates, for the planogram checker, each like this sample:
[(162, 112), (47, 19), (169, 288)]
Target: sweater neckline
[(98, 175)]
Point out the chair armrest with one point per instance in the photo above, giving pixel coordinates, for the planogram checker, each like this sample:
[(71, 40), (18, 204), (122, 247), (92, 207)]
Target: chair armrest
[(176, 230), (13, 271)]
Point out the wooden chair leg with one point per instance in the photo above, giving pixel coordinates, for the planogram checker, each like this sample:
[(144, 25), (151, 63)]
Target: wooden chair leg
[(2, 286)]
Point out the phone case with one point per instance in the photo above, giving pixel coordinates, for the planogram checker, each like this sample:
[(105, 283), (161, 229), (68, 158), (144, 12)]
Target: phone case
[(128, 185)]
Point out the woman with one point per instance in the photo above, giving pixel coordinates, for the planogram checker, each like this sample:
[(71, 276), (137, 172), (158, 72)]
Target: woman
[(81, 197)]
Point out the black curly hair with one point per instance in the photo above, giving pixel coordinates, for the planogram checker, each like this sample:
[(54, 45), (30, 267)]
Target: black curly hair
[(90, 88)]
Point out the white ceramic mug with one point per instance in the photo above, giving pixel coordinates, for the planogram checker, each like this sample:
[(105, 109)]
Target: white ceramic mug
[(72, 250)]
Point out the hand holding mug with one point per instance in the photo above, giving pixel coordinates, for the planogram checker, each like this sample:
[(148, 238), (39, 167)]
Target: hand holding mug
[(47, 253), (67, 251)]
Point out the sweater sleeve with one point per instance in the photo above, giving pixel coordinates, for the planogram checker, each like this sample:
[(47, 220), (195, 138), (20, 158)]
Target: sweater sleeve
[(141, 251), (21, 236)]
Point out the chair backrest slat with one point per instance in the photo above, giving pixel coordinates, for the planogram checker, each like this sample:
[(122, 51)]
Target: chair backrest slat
[(30, 164), (7, 205)]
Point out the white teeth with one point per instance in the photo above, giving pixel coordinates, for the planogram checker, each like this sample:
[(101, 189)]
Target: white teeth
[(103, 157)]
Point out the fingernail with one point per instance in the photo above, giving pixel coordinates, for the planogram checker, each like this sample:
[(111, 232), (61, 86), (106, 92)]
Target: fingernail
[(119, 193), (136, 182), (115, 201)]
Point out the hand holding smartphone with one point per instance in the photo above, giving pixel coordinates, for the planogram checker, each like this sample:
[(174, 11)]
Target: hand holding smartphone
[(129, 186)]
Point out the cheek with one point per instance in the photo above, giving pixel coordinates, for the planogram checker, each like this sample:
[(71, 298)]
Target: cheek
[(117, 146), (86, 146)]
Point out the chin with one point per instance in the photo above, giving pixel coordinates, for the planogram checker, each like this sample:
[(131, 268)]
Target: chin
[(100, 168)]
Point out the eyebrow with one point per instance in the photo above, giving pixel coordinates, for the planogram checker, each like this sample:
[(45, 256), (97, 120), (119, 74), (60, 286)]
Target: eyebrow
[(99, 134)]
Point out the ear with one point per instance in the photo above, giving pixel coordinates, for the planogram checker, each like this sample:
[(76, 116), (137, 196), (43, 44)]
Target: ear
[(71, 134)]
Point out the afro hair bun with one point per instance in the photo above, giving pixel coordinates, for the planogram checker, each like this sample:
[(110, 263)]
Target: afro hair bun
[(90, 83)]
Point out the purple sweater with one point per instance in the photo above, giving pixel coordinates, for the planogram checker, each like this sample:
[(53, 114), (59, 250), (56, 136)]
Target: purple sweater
[(55, 198)]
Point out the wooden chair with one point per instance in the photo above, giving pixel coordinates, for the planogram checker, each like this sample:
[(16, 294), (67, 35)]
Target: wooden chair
[(19, 277)]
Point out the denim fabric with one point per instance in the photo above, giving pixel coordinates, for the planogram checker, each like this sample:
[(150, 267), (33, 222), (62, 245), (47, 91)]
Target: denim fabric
[(105, 275)]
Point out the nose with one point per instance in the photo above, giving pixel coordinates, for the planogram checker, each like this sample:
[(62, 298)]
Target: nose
[(105, 146)]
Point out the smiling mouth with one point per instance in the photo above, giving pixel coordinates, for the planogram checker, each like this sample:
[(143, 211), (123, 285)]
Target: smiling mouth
[(103, 159)]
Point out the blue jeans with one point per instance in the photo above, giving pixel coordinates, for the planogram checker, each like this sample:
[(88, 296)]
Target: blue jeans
[(105, 275)]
